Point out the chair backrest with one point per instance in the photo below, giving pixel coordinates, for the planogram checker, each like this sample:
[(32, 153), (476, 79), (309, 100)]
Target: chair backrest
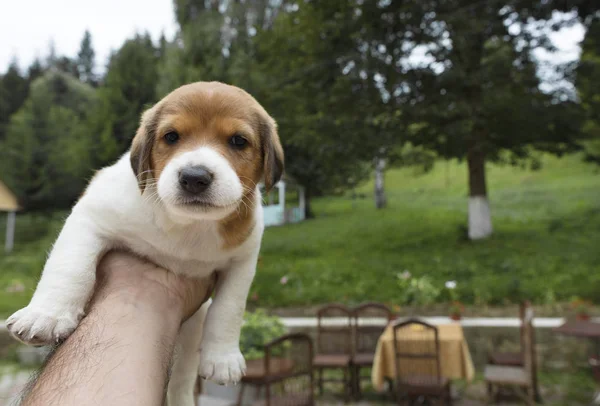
[(334, 339), (366, 334), (288, 370), (417, 351), (523, 306), (528, 342)]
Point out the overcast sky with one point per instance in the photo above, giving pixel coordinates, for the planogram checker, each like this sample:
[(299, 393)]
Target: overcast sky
[(28, 26)]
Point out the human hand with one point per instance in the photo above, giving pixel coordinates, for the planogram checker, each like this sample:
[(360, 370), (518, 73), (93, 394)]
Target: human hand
[(140, 282)]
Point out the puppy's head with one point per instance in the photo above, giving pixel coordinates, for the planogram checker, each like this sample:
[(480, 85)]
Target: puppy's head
[(204, 147)]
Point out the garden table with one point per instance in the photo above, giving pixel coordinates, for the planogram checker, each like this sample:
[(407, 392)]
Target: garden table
[(455, 358), (584, 329)]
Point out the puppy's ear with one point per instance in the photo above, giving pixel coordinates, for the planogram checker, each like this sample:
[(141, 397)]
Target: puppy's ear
[(272, 152), (141, 147)]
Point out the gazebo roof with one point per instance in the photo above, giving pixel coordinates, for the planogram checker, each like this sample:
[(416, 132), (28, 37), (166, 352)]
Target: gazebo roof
[(8, 201)]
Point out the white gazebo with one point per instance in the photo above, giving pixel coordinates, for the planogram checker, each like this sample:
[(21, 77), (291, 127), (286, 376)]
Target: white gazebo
[(8, 203), (275, 211)]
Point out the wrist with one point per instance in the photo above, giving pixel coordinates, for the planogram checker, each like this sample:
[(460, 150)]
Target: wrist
[(140, 301)]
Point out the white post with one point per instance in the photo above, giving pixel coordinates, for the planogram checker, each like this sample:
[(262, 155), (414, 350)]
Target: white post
[(10, 231), (380, 200), (282, 195)]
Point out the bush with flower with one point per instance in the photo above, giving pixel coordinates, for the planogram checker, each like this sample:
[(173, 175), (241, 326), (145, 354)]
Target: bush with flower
[(456, 310), (581, 308), (456, 307), (418, 291)]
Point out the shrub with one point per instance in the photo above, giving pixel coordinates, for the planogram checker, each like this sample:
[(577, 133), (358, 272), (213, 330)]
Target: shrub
[(417, 290), (258, 329)]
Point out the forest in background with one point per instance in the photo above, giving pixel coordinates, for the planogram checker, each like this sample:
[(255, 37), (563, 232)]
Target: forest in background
[(340, 78)]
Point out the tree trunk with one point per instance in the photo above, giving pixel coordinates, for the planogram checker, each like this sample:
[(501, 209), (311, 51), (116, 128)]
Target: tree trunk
[(308, 213), (380, 199), (480, 221)]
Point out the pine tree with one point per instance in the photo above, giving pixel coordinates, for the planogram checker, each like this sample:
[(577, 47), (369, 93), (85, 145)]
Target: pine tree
[(129, 88), (46, 153), (35, 70), (86, 61), (13, 92)]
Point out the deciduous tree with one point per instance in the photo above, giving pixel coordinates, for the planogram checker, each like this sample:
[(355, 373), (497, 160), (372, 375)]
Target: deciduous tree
[(474, 93)]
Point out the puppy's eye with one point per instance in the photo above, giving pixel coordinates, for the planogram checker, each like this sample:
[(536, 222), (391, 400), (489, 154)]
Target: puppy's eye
[(171, 137), (237, 141)]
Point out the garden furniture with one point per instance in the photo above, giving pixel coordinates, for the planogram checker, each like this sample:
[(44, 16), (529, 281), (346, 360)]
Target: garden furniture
[(582, 329), (516, 359), (285, 372), (369, 322), (589, 330), (455, 358), (417, 363), (521, 377), (334, 346)]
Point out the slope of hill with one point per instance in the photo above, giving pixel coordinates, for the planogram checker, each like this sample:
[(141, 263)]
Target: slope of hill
[(546, 244)]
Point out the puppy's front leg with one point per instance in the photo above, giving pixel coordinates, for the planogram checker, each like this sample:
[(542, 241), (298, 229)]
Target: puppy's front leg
[(66, 284), (220, 356), (186, 360)]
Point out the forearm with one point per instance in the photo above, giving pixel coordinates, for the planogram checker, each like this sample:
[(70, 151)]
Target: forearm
[(119, 355)]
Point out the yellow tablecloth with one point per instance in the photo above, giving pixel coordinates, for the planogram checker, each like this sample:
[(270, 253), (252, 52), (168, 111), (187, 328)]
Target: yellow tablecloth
[(455, 358)]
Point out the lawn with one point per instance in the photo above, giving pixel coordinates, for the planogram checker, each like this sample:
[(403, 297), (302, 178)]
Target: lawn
[(20, 271), (546, 244)]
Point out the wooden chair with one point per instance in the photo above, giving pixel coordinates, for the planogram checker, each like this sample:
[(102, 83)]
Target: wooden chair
[(520, 377), (285, 373), (516, 359), (365, 337), (334, 346), (418, 371), (513, 359)]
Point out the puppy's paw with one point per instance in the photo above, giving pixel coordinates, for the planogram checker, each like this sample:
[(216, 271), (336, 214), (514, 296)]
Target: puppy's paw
[(36, 325), (222, 367)]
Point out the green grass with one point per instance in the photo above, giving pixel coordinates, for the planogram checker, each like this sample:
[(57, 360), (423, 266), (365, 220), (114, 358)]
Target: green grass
[(546, 244), (545, 247), (20, 271)]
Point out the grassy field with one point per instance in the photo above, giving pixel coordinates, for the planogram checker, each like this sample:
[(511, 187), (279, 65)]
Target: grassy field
[(546, 244), (20, 270)]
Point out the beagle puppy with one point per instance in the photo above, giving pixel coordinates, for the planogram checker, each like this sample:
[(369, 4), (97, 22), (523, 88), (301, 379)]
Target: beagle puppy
[(185, 197)]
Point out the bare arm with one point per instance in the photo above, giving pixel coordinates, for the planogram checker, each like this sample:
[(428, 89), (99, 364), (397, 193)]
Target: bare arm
[(121, 352)]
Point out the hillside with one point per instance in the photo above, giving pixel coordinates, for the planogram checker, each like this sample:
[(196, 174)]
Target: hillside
[(545, 246)]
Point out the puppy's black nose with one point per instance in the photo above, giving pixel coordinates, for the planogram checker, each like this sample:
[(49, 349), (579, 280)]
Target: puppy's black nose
[(195, 179)]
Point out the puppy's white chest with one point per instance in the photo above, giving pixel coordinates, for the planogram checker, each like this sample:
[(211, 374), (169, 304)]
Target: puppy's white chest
[(194, 252)]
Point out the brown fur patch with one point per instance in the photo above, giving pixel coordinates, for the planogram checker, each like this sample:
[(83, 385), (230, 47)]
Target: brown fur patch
[(238, 226), (208, 114)]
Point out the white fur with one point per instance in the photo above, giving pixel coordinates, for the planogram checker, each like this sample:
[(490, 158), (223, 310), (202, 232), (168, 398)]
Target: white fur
[(480, 220), (225, 190), (111, 214)]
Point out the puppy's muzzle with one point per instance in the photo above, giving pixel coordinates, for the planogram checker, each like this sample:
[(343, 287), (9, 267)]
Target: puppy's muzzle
[(195, 179)]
